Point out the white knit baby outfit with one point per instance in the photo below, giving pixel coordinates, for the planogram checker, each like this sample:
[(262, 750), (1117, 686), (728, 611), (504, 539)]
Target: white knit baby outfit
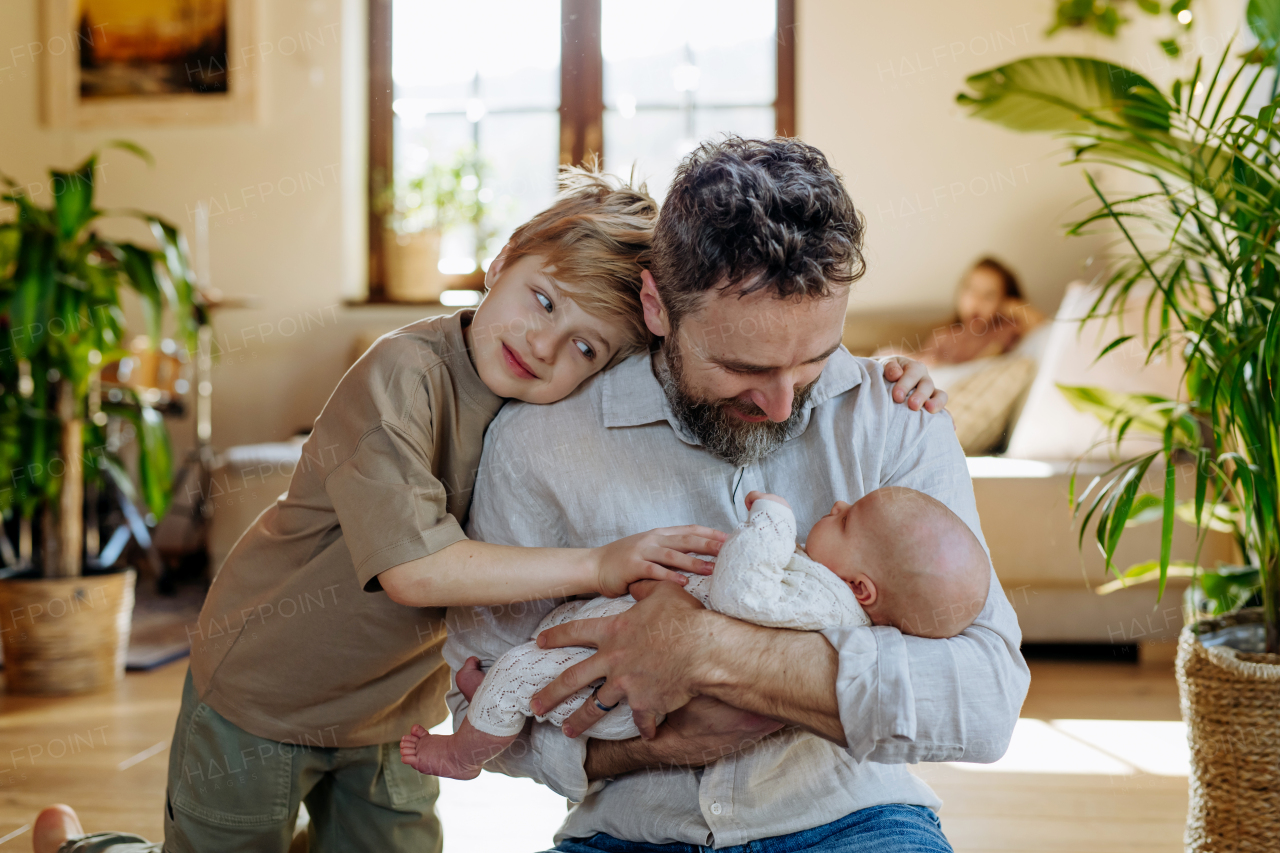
[(759, 577)]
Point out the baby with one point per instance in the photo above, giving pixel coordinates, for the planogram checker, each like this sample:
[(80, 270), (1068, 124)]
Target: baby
[(897, 557)]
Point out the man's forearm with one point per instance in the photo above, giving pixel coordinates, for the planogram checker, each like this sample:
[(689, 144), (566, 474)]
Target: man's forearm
[(609, 758), (786, 675), (789, 676)]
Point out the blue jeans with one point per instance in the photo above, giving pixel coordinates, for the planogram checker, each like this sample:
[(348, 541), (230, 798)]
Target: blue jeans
[(878, 829)]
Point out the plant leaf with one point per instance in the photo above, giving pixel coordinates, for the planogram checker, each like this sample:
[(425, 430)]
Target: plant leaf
[(1166, 530), (32, 303), (1118, 342), (1231, 587), (1145, 573), (177, 259), (1146, 508), (1263, 17), (139, 270), (1066, 94), (1114, 406), (155, 461), (155, 456), (1112, 520), (10, 242), (133, 148), (73, 198)]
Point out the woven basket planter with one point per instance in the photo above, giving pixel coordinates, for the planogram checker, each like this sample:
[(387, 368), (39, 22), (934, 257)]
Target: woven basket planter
[(1231, 704), (65, 635)]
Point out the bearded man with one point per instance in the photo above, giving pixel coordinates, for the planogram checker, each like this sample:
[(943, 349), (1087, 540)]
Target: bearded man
[(801, 738)]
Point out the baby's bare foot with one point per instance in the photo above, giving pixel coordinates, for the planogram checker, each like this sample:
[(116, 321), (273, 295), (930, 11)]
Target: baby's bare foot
[(53, 826), (436, 755), (469, 677)]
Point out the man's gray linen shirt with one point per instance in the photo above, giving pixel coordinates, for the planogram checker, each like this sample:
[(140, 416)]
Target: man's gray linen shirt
[(611, 461)]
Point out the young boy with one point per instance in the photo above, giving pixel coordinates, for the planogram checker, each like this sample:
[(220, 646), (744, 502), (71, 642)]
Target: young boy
[(896, 557), (312, 654)]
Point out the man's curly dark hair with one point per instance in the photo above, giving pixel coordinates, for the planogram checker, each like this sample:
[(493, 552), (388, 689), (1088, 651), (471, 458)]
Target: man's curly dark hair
[(755, 214)]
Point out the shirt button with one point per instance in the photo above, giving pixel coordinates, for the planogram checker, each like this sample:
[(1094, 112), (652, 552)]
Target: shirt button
[(716, 808)]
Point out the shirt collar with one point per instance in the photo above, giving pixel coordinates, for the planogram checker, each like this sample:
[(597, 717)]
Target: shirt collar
[(632, 396)]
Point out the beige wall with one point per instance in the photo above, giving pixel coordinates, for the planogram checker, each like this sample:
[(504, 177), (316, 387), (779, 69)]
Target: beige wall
[(286, 197), (876, 87), (877, 83)]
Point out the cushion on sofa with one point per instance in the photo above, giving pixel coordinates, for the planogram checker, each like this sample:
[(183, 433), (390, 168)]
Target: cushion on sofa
[(982, 401)]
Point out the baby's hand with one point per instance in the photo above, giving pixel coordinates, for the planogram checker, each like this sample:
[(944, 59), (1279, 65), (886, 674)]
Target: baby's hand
[(652, 556), (754, 496)]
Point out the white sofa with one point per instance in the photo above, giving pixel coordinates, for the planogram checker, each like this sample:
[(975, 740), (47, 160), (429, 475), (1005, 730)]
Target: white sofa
[(1023, 494)]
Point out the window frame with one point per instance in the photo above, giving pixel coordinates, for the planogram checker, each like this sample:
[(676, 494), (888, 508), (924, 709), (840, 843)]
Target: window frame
[(581, 103)]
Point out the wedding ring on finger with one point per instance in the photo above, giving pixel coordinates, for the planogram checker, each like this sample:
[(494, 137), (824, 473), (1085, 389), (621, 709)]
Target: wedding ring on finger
[(595, 697)]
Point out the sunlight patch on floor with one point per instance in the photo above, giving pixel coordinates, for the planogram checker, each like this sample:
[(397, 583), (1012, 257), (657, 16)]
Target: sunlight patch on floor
[(1099, 747)]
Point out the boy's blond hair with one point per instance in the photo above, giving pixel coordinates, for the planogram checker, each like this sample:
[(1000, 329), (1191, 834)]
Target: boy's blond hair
[(595, 239)]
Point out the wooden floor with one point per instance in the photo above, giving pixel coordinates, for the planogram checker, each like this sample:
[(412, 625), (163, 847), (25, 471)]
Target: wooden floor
[(1066, 785), (1085, 794), (105, 754)]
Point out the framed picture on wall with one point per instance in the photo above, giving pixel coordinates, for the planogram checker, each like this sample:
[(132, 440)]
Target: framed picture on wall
[(149, 62)]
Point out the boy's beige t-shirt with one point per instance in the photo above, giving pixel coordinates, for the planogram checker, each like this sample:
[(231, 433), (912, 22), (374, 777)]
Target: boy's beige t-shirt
[(290, 645)]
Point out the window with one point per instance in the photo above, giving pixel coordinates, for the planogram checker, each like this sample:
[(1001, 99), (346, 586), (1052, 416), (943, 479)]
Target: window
[(487, 104), (475, 104), (679, 71)]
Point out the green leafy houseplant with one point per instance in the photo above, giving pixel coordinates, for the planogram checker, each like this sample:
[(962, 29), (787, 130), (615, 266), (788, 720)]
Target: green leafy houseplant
[(446, 195), (443, 195), (1201, 236), (1107, 17), (61, 321)]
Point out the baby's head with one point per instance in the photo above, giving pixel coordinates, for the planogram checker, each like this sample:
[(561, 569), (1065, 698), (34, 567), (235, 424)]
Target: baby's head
[(910, 561), (563, 296)]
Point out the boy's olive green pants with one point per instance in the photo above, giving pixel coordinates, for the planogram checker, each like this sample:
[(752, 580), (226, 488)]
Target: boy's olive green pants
[(233, 791)]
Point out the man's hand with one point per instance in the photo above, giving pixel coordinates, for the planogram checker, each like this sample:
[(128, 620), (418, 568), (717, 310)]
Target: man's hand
[(653, 555), (703, 731), (664, 628), (912, 384)]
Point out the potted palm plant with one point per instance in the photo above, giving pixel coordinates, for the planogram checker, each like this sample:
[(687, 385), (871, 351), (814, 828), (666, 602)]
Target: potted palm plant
[(65, 630), (1198, 242)]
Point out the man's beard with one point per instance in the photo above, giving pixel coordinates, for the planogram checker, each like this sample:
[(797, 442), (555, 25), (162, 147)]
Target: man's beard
[(712, 423)]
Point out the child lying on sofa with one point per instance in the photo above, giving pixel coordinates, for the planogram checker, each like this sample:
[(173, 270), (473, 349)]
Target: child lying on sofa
[(851, 571)]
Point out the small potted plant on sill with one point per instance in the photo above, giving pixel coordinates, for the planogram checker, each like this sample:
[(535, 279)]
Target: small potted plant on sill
[(443, 196), (64, 628), (1199, 245)]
